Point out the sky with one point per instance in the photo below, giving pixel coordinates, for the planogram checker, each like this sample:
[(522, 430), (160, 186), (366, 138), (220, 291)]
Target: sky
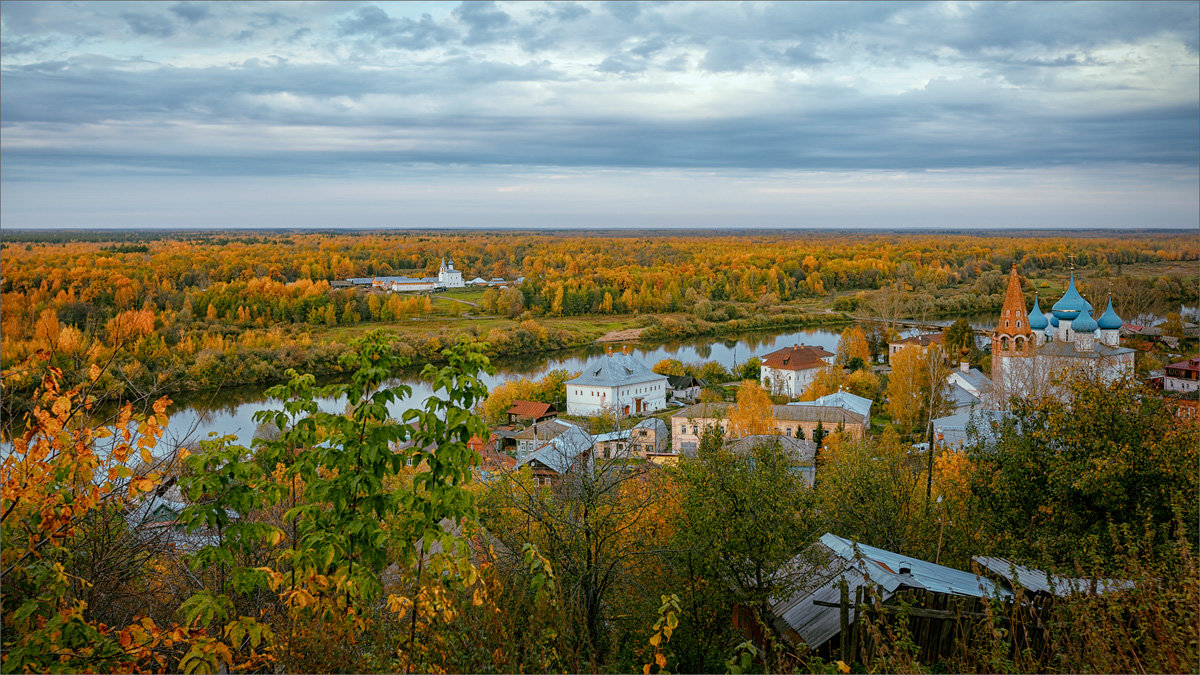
[(598, 115)]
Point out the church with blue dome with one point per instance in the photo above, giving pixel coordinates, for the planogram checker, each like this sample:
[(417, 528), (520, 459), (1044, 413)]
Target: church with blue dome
[(1033, 354)]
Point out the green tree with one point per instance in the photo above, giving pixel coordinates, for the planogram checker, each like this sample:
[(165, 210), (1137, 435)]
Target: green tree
[(959, 338), (1059, 474), (742, 516)]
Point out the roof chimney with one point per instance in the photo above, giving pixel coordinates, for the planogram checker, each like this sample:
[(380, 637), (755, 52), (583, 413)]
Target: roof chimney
[(905, 570), (964, 366), (624, 349), (610, 350)]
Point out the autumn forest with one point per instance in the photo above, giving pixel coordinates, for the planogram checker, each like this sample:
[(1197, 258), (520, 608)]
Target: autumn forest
[(354, 540)]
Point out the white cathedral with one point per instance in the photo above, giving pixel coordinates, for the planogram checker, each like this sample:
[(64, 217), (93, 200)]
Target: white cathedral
[(1033, 355), (448, 277)]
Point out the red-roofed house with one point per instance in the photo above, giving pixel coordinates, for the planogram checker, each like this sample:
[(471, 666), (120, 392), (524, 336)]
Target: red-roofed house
[(532, 411), (1183, 376), (921, 341), (789, 371)]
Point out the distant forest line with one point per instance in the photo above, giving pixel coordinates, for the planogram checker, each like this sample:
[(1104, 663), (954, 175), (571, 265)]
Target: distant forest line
[(177, 310)]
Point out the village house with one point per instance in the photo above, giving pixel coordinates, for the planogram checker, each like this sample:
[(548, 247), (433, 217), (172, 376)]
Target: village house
[(802, 453), (533, 437), (1183, 376), (789, 371), (569, 450), (530, 412), (842, 399), (685, 387), (922, 342), (688, 425), (616, 383), (643, 441)]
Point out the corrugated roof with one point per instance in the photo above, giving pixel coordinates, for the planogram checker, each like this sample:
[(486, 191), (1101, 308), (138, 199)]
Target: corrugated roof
[(560, 453), (801, 450), (1040, 581), (834, 558), (615, 370), (973, 377), (798, 357), (954, 427), (530, 409), (842, 399), (788, 413)]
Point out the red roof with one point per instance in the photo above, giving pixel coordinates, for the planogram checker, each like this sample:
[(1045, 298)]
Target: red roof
[(923, 340), (530, 409), (1189, 365), (797, 357)]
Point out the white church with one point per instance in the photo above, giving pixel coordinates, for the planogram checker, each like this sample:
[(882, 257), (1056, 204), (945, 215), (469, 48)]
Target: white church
[(448, 277), (1033, 355)]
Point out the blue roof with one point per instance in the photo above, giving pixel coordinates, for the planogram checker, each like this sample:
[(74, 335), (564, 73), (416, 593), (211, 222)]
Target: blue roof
[(1071, 304), (845, 400), (560, 453), (1037, 320), (1084, 323), (615, 370), (1109, 319), (883, 567)]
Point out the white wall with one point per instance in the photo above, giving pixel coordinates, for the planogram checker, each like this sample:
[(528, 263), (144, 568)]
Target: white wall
[(789, 383), (585, 399)]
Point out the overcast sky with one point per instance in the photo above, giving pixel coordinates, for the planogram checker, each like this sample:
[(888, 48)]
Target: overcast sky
[(344, 114)]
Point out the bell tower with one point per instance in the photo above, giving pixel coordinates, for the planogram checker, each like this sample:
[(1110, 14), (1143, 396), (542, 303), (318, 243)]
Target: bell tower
[(1013, 335)]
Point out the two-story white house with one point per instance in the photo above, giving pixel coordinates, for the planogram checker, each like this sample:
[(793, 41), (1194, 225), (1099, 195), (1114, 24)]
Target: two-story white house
[(618, 383), (789, 371)]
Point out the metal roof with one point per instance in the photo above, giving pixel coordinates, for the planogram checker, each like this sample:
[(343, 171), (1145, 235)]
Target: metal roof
[(561, 452), (834, 558), (1040, 581), (953, 428), (842, 399), (616, 370)]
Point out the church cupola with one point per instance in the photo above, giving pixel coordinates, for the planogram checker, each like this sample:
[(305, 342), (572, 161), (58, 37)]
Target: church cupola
[(1038, 322), (1110, 326)]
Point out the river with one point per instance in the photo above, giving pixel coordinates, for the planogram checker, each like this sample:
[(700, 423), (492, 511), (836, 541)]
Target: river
[(231, 411)]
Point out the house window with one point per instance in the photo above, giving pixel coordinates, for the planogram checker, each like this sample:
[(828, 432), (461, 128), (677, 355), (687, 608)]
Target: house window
[(787, 432), (683, 429)]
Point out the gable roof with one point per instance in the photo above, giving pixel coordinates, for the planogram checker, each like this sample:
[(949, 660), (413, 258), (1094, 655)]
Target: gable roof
[(1191, 365), (973, 377), (684, 381), (656, 425), (614, 370), (530, 409), (842, 399), (834, 558), (796, 357), (827, 415), (560, 453), (800, 449), (924, 340)]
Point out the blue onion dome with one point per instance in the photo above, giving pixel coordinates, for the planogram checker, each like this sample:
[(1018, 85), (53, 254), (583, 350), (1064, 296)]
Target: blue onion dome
[(1054, 321), (1037, 320), (1109, 319), (1071, 304), (1084, 323)]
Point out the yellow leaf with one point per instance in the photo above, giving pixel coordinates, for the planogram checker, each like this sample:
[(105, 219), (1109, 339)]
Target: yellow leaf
[(646, 669), (146, 456), (276, 537), (140, 484), (94, 372), (661, 660), (655, 639), (842, 667)]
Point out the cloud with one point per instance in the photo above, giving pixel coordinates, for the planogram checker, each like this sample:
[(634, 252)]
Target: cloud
[(484, 21), (191, 11), (149, 24)]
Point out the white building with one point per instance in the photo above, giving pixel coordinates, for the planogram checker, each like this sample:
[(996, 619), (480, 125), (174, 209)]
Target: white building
[(1032, 355), (1183, 376), (789, 371), (448, 277), (617, 383)]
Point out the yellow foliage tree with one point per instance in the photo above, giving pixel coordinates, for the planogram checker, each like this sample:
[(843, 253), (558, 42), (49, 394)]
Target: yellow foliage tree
[(753, 413), (853, 343), (827, 381), (906, 385)]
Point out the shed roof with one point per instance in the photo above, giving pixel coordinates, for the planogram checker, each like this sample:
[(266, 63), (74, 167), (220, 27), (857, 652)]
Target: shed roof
[(834, 558), (1040, 581)]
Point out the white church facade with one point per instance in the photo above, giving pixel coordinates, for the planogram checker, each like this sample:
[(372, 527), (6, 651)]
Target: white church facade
[(1033, 355)]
